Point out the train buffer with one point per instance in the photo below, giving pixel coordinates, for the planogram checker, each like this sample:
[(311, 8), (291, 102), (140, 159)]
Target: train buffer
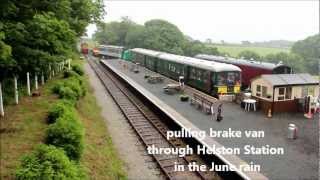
[(209, 107)]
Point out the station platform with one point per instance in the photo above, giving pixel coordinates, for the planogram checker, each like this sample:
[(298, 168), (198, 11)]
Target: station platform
[(300, 158)]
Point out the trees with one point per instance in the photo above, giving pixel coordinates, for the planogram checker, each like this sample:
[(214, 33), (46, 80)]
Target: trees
[(116, 33), (208, 41), (163, 36), (155, 34), (135, 37), (247, 54), (293, 60), (37, 34), (192, 48), (309, 49), (42, 31), (304, 55), (6, 60), (246, 43)]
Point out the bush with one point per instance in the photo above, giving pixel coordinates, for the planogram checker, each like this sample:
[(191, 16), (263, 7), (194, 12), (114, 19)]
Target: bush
[(68, 73), (67, 133), (68, 93), (56, 87), (48, 162), (78, 69), (71, 88), (59, 109), (76, 85)]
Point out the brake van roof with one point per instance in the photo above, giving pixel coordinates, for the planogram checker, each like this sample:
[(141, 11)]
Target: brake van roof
[(258, 64)]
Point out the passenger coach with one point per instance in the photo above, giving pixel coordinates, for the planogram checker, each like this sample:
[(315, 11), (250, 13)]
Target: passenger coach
[(250, 69), (211, 77), (108, 51)]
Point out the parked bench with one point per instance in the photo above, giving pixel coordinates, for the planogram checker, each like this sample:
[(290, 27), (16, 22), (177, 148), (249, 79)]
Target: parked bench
[(155, 79), (209, 107)]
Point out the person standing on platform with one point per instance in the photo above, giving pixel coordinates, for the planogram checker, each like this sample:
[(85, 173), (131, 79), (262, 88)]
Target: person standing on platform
[(181, 82)]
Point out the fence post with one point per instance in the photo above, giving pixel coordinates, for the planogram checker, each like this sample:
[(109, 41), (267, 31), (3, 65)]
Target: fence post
[(1, 102), (16, 92), (36, 81), (28, 84), (42, 78)]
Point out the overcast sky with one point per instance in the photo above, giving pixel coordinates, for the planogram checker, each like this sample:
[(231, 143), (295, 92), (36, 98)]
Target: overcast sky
[(232, 21)]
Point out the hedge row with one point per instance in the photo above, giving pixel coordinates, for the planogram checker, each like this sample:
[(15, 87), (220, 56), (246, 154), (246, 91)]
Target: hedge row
[(48, 162), (59, 159), (72, 87), (66, 130)]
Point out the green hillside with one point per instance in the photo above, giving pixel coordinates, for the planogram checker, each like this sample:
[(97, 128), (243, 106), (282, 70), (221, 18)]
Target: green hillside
[(234, 50)]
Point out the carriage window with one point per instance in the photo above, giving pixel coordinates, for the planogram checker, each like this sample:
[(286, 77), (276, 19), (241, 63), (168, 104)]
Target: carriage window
[(193, 73), (231, 78), (199, 77), (172, 68), (206, 76), (237, 78), (222, 79)]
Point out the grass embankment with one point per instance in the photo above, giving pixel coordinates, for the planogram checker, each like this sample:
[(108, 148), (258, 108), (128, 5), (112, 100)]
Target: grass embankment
[(234, 50), (24, 127), (99, 157)]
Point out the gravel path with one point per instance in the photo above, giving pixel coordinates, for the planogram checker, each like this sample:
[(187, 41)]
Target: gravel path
[(137, 164)]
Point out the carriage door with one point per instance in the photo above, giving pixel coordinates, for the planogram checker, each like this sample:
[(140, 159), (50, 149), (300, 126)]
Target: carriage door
[(207, 81), (214, 88), (231, 78)]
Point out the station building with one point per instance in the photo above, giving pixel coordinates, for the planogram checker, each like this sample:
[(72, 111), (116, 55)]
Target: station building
[(285, 92)]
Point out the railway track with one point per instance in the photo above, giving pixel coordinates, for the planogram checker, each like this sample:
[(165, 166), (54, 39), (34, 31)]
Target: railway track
[(149, 127)]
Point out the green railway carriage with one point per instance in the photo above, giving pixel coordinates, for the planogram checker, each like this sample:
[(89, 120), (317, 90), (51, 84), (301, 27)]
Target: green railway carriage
[(151, 63), (138, 58), (145, 57), (126, 55), (211, 77)]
